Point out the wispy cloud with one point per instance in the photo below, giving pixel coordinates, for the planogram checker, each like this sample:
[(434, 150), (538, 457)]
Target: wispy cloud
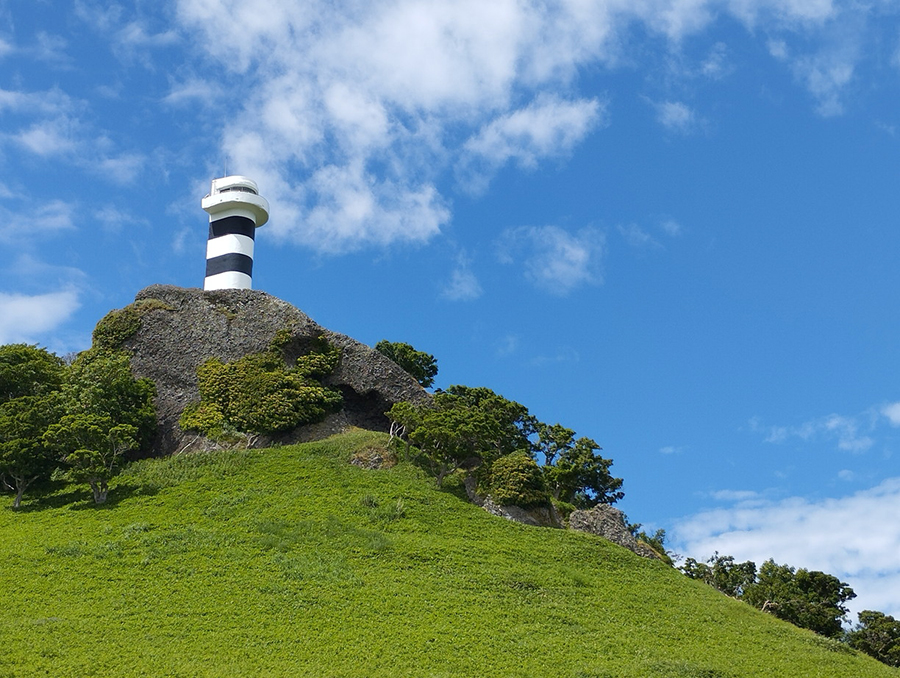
[(463, 284), (850, 433), (547, 127), (36, 221), (636, 236), (554, 259), (676, 116)]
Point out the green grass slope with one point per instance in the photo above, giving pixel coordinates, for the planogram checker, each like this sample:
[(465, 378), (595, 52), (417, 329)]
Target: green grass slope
[(292, 562)]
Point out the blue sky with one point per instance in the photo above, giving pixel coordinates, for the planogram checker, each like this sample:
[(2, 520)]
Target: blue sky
[(671, 225)]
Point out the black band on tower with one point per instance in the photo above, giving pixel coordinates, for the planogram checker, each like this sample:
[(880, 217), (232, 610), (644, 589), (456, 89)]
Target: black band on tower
[(232, 226), (239, 263)]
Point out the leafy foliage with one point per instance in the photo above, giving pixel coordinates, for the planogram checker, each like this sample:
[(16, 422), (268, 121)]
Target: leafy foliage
[(26, 370), (100, 383), (24, 456), (260, 394), (420, 365), (107, 413), (30, 379), (576, 474), (722, 573), (119, 325), (878, 635), (516, 479), (92, 445), (475, 428), (809, 599)]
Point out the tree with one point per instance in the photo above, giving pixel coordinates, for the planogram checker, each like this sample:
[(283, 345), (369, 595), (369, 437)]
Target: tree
[(26, 370), (516, 479), (575, 472), (100, 383), (722, 573), (809, 599), (107, 413), (24, 455), (878, 635), (92, 445), (30, 379), (420, 365), (464, 426)]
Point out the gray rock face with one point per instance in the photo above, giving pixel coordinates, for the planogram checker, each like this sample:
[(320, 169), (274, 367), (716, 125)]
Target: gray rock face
[(189, 326), (609, 522), (538, 516)]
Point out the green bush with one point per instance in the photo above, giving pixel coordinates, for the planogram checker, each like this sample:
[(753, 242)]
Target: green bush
[(119, 325), (260, 394), (517, 480)]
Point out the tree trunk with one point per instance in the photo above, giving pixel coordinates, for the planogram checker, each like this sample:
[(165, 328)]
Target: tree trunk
[(100, 490)]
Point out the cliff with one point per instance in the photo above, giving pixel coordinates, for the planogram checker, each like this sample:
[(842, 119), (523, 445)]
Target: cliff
[(180, 328)]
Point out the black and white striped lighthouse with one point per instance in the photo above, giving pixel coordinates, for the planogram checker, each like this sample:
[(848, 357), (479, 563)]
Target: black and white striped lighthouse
[(236, 210)]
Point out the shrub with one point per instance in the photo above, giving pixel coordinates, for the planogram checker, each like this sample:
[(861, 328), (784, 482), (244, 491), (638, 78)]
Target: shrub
[(517, 480), (260, 394), (119, 325)]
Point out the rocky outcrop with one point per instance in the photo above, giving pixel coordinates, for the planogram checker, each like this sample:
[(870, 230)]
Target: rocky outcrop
[(180, 328), (609, 523), (539, 516)]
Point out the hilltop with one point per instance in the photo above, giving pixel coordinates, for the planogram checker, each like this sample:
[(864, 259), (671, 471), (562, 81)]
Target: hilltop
[(293, 562)]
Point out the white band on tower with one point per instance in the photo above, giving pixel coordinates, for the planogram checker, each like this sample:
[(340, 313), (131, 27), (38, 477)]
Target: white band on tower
[(235, 211)]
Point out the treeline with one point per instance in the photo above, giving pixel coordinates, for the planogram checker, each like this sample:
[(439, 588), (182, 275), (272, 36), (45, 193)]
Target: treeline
[(74, 420), (806, 598)]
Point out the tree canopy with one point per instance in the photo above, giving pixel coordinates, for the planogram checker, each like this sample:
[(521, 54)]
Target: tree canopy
[(475, 428), (878, 635), (420, 365)]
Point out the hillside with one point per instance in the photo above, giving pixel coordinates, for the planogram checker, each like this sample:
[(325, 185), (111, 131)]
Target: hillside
[(292, 562)]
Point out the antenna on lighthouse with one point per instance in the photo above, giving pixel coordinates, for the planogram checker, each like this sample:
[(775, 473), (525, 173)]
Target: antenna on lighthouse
[(236, 210)]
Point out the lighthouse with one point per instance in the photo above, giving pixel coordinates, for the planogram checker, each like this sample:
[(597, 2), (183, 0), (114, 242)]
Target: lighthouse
[(236, 210)]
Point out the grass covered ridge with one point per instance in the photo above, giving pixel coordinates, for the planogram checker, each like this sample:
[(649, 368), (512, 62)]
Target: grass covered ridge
[(292, 562)]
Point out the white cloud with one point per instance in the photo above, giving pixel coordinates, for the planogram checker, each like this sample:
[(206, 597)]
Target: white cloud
[(856, 538), (547, 127), (192, 91), (507, 345), (27, 318), (463, 284), (826, 76), (38, 221), (850, 433), (676, 116), (391, 95), (671, 228), (48, 138), (554, 259), (892, 412), (716, 66), (635, 236)]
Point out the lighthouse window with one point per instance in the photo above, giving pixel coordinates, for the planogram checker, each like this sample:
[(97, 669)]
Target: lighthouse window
[(242, 189)]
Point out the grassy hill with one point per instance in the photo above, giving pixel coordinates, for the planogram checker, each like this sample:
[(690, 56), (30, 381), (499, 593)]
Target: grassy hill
[(292, 562)]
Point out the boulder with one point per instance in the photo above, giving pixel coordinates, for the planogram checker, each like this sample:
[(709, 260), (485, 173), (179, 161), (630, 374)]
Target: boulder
[(609, 523), (180, 328)]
